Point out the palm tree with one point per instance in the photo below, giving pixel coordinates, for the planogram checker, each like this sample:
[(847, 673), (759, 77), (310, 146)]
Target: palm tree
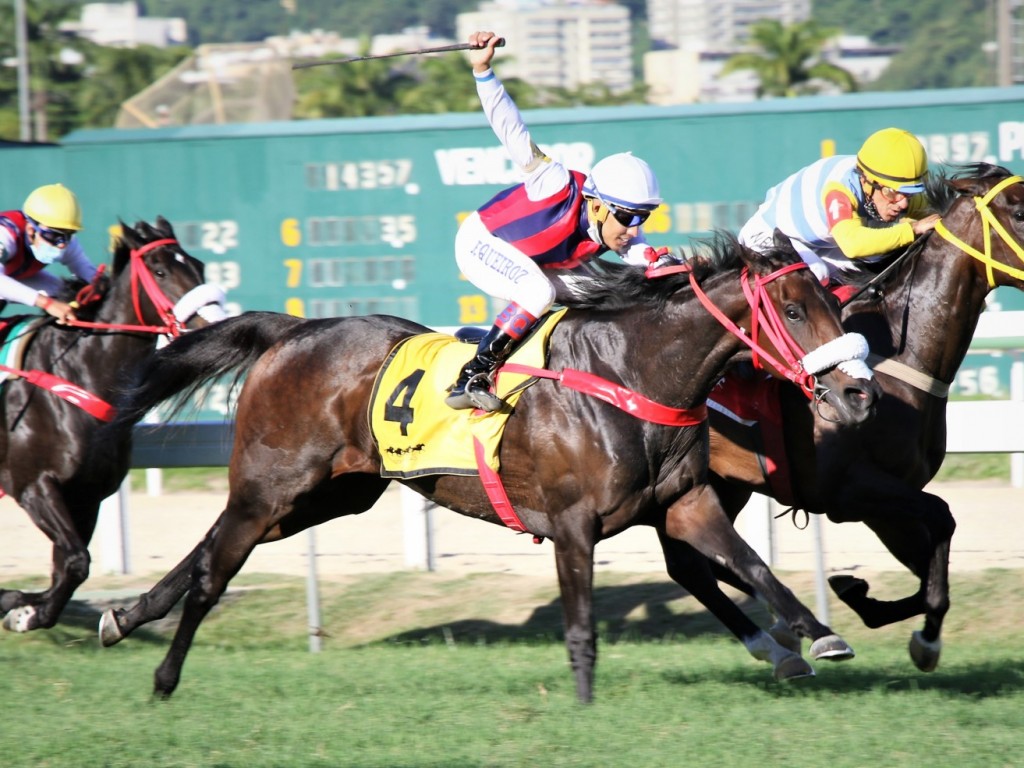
[(790, 59)]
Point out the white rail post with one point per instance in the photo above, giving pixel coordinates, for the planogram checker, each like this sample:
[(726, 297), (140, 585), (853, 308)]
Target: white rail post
[(1017, 394), (115, 535)]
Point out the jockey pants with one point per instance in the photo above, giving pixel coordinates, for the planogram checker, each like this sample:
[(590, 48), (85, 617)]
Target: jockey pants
[(502, 271)]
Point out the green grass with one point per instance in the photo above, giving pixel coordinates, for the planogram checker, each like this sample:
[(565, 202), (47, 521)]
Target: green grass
[(425, 670), (974, 466), (181, 479)]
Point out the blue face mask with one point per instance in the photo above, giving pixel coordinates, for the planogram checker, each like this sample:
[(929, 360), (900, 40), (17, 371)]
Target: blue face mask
[(45, 252)]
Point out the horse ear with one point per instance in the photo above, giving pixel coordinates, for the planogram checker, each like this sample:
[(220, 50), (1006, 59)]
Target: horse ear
[(164, 226), (782, 241)]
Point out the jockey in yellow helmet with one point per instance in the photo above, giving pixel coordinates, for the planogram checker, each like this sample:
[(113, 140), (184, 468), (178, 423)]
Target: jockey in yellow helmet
[(846, 209), (31, 239)]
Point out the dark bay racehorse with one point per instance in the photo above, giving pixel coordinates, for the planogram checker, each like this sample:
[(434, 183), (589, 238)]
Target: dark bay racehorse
[(50, 462), (919, 317), (576, 468)]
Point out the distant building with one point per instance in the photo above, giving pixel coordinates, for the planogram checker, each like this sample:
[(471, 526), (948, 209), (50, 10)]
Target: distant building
[(120, 25), (559, 44), (710, 25)]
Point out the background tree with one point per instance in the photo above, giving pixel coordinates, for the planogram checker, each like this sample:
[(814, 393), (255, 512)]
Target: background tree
[(55, 68), (790, 59), (114, 75)]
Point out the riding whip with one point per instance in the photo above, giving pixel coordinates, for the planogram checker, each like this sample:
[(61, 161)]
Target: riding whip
[(439, 49)]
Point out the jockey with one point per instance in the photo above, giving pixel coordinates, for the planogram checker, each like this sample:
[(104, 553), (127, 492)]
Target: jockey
[(31, 239), (846, 209), (524, 244)]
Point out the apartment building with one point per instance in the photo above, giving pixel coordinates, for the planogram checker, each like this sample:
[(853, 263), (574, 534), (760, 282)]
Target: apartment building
[(558, 44)]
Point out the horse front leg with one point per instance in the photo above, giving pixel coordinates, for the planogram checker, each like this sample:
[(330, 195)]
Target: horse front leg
[(698, 519), (574, 561), (918, 531), (26, 611), (693, 572)]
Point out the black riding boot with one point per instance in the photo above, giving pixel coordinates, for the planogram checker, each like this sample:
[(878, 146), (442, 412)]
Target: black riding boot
[(472, 390)]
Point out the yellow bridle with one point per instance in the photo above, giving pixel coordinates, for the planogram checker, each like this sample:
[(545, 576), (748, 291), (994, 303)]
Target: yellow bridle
[(990, 222)]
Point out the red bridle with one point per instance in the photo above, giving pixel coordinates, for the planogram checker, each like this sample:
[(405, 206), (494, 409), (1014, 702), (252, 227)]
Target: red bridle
[(141, 275), (764, 319)]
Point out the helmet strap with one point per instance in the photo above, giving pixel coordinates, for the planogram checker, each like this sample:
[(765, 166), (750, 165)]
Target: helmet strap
[(869, 188), (596, 215)]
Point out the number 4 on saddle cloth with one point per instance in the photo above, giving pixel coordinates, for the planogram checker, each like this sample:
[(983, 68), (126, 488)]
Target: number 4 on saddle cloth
[(416, 433)]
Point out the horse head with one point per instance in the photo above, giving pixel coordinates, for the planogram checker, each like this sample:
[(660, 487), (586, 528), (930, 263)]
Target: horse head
[(166, 285), (796, 333), (983, 216)]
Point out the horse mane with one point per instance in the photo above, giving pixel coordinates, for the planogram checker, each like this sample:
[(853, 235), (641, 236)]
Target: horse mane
[(615, 286)]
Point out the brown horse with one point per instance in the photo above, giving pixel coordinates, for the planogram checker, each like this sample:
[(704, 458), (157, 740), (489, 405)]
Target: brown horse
[(53, 461), (576, 468), (919, 316)]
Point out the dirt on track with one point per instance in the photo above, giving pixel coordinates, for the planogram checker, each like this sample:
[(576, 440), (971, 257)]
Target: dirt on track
[(163, 529)]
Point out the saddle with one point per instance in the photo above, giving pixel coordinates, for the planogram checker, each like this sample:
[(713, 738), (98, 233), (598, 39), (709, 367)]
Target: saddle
[(16, 335)]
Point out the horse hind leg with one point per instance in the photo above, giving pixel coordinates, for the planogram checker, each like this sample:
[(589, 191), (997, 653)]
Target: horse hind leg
[(117, 623), (694, 573), (219, 558)]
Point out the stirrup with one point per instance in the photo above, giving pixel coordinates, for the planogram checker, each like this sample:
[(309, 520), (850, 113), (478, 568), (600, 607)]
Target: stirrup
[(481, 397)]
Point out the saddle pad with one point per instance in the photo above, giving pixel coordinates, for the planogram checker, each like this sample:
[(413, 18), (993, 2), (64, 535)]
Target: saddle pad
[(753, 402), (416, 433), (15, 340)]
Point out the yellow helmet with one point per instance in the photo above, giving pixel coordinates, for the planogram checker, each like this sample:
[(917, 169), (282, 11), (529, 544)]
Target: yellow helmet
[(54, 206), (894, 158)]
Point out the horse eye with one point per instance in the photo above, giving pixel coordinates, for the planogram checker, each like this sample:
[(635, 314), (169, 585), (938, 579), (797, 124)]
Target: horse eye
[(159, 273), (1018, 215), (792, 313)]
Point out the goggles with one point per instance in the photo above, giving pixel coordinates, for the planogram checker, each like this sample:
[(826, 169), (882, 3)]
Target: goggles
[(55, 237), (627, 217), (890, 194)]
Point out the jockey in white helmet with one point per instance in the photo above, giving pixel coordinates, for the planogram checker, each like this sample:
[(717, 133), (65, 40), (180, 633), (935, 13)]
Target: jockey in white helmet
[(523, 244)]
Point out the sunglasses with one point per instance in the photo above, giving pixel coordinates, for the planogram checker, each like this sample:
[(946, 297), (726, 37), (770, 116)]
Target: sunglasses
[(627, 217), (56, 237)]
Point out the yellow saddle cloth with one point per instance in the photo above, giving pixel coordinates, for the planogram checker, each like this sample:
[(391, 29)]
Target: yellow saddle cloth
[(416, 433)]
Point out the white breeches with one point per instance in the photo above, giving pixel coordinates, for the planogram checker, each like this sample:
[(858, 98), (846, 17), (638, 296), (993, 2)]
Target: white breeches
[(501, 270), (760, 236)]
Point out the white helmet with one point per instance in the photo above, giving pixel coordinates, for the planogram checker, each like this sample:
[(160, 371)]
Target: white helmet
[(624, 181)]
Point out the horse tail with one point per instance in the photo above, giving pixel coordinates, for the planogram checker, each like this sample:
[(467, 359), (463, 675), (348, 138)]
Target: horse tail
[(179, 370)]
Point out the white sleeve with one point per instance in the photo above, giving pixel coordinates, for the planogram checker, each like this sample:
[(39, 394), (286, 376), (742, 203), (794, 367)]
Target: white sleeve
[(544, 177), (12, 290), (77, 262)]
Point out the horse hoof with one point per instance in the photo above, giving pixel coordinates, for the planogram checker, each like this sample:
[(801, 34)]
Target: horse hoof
[(848, 586), (21, 619), (924, 653), (110, 633), (793, 667), (786, 637), (831, 647)]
